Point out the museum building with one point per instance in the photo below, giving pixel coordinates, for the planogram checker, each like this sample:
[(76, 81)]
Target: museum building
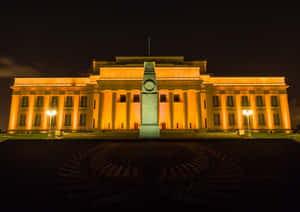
[(110, 99)]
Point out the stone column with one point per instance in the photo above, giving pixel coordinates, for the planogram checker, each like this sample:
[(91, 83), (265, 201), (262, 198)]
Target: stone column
[(90, 114), (30, 111), (269, 111), (14, 106), (113, 114), (199, 110), (223, 111), (254, 115), (285, 112), (171, 109), (60, 112), (46, 123), (128, 102), (186, 110), (100, 110), (75, 111)]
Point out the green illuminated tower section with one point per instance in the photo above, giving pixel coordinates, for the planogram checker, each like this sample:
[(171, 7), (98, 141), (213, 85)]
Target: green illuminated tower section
[(149, 105)]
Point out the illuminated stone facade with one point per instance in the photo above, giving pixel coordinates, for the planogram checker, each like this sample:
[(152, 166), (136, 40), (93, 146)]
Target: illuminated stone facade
[(189, 98)]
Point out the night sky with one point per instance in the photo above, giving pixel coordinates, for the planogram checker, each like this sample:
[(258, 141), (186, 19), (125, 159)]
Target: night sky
[(45, 40)]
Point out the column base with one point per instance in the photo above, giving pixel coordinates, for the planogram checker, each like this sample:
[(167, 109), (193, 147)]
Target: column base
[(149, 131)]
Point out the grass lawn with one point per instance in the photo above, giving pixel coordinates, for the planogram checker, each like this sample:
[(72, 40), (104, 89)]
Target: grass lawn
[(164, 135)]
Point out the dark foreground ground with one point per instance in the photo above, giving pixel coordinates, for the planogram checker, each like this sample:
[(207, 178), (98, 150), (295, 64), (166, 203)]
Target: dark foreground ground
[(240, 175)]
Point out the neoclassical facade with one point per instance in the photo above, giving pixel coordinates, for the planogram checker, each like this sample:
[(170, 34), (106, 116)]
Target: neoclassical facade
[(110, 99)]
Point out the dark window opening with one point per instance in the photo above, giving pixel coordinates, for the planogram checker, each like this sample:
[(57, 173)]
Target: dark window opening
[(136, 98), (22, 120), (39, 101), (216, 102), (245, 101), (259, 101), (24, 102), (230, 101), (53, 121), (69, 101), (217, 121), (276, 118), (54, 101), (176, 98), (261, 119), (83, 101), (231, 118), (122, 98), (274, 101), (82, 120), (67, 120), (37, 120), (163, 98), (163, 126)]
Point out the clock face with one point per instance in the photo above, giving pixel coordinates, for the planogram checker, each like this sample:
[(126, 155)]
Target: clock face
[(149, 85)]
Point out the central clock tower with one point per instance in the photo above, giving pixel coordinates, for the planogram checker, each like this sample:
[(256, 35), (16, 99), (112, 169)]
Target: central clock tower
[(149, 105)]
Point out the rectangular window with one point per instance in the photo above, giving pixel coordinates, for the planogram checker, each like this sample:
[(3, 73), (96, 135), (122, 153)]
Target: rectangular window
[(217, 119), (53, 121), (274, 101), (69, 101), (94, 104), (67, 120), (163, 98), (122, 98), (176, 98), (83, 101), (230, 101), (261, 119), (22, 120), (259, 101), (136, 98), (245, 101), (93, 123), (216, 102), (82, 120), (37, 120), (276, 118), (54, 101), (231, 119), (204, 104), (24, 101), (245, 121), (39, 101)]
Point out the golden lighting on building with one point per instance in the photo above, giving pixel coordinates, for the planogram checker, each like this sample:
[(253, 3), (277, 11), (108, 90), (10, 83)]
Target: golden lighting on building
[(110, 99)]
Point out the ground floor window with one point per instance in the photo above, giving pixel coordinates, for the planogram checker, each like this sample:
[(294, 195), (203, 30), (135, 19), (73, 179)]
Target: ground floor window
[(37, 120), (217, 121), (22, 120), (276, 118), (53, 121), (67, 120), (261, 119), (231, 119), (82, 120)]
